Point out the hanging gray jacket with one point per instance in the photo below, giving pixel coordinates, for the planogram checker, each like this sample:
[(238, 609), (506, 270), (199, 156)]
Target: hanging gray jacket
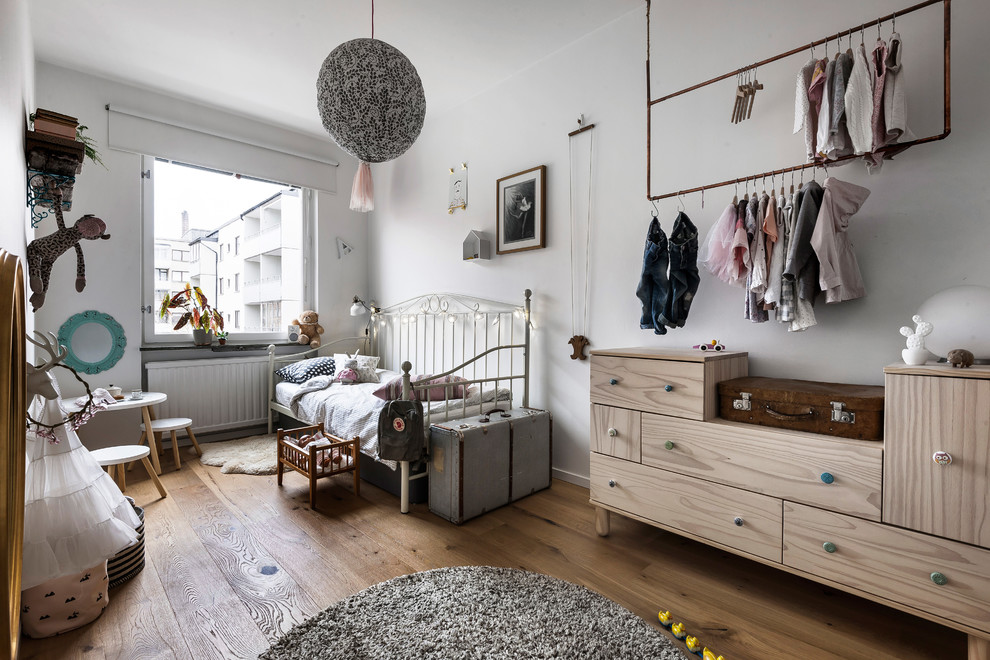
[(801, 266)]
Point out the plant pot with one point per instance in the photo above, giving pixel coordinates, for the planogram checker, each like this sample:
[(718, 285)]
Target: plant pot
[(222, 342), (202, 337)]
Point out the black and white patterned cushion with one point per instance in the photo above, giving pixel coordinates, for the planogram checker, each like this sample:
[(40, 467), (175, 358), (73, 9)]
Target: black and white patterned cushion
[(300, 372)]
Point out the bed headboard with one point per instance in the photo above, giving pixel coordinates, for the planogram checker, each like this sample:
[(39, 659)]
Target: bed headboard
[(13, 395), (440, 333)]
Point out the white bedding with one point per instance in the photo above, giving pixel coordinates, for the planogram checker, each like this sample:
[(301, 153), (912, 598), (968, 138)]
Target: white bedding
[(352, 410)]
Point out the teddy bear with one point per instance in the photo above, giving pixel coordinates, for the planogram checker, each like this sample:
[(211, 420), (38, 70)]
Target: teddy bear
[(309, 328)]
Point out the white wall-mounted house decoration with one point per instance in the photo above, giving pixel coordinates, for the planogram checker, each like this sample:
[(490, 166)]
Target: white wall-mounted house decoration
[(477, 246)]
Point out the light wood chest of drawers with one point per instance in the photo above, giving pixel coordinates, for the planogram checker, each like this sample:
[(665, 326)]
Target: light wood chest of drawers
[(881, 520)]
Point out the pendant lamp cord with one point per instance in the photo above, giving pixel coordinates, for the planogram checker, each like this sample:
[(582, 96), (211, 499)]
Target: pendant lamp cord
[(372, 19)]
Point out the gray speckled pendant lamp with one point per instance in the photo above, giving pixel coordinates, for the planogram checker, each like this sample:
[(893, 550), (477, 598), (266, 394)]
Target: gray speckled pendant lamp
[(372, 104)]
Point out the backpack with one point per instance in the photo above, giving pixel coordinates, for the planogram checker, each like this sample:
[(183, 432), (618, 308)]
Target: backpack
[(401, 436)]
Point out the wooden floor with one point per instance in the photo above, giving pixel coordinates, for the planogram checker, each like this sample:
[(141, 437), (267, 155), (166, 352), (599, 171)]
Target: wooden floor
[(234, 561)]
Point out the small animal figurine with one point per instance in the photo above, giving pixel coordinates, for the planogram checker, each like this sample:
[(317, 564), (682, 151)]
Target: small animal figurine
[(710, 655), (960, 357), (678, 630), (665, 619), (42, 252), (692, 643)]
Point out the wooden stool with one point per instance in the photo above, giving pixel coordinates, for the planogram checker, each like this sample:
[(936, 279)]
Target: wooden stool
[(114, 459), (172, 424)]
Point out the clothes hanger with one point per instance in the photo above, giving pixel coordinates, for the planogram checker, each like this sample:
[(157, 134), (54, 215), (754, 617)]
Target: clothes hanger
[(746, 196), (792, 182), (735, 198), (680, 202), (656, 211), (849, 50)]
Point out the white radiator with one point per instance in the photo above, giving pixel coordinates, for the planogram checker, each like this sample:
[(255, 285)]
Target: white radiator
[(217, 394)]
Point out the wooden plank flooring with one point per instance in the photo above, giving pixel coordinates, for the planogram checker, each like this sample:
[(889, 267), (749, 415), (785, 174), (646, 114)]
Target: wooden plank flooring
[(233, 561)]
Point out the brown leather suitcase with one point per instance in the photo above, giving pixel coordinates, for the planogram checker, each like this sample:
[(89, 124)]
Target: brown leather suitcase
[(847, 411)]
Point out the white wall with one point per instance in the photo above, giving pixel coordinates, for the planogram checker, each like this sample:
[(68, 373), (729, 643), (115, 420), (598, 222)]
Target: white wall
[(921, 231), (113, 267), (16, 103)]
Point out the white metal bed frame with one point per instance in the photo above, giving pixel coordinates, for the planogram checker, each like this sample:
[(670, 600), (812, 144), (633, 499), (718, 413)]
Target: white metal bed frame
[(442, 334)]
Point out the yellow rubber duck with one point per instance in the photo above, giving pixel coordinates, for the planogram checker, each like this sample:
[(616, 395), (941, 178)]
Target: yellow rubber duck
[(665, 618), (692, 643), (708, 655), (678, 630)]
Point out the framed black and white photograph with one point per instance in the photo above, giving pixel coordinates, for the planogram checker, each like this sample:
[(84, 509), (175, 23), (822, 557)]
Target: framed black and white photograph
[(520, 219)]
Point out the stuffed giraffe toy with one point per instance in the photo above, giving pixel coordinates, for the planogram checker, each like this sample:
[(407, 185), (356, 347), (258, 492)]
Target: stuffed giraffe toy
[(42, 252)]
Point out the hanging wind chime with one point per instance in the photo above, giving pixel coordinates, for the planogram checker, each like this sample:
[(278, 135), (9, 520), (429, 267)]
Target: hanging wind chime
[(372, 104)]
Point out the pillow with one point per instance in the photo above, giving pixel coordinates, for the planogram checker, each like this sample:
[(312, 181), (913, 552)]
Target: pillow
[(300, 372), (363, 365), (392, 390)]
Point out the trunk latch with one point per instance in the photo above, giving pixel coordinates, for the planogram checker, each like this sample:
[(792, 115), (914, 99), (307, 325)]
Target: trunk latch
[(744, 403), (842, 416)]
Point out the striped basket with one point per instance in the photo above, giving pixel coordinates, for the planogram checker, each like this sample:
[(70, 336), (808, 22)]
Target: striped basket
[(130, 561)]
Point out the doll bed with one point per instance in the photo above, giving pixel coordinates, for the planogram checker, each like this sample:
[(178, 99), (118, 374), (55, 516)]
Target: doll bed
[(443, 335)]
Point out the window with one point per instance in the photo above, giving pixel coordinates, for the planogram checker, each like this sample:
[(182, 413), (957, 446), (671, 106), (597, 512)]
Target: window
[(244, 279)]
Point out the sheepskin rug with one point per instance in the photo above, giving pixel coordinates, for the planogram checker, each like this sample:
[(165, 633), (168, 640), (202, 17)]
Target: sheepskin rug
[(254, 455)]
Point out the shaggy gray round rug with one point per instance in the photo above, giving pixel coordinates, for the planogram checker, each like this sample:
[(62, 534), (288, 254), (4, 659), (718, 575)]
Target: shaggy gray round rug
[(475, 612)]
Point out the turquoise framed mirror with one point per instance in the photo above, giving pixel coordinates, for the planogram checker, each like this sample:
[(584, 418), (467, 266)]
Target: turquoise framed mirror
[(94, 341)]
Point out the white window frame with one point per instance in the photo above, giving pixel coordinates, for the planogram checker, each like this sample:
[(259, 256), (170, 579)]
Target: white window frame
[(148, 274)]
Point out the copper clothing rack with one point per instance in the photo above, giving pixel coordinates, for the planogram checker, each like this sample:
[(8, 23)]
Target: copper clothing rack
[(946, 116)]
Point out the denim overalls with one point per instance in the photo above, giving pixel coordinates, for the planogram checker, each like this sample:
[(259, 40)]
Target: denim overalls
[(654, 288), (667, 299)]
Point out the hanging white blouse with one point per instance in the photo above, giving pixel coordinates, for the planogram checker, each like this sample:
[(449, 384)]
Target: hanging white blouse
[(859, 103), (802, 106)]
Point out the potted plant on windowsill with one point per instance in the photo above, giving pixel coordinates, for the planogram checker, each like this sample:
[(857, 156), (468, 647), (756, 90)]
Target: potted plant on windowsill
[(192, 308), (221, 337)]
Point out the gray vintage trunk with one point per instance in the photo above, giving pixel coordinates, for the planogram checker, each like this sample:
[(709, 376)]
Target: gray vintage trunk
[(478, 466)]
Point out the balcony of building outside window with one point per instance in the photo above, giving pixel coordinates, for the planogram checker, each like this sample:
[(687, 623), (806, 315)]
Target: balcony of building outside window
[(251, 291), (271, 288)]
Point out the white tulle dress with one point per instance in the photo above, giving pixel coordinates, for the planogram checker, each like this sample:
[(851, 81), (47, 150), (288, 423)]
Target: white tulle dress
[(75, 515)]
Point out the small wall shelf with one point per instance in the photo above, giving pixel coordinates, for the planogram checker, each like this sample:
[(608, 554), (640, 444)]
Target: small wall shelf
[(53, 162), (476, 246)]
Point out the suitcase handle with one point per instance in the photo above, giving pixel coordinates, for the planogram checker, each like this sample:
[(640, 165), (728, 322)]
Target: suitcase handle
[(779, 415), (500, 411)]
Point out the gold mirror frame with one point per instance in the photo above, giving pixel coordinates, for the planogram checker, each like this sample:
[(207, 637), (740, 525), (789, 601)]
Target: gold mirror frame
[(13, 392)]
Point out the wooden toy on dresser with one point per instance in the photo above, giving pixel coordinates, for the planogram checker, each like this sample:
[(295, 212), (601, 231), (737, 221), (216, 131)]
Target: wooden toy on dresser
[(832, 509)]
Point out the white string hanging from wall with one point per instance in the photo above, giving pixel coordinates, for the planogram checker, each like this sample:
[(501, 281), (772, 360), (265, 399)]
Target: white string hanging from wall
[(580, 191)]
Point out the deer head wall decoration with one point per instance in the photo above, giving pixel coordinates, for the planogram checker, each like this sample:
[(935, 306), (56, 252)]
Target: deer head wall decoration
[(39, 379)]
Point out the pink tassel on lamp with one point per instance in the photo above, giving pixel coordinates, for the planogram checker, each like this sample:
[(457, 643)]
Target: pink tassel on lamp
[(363, 190)]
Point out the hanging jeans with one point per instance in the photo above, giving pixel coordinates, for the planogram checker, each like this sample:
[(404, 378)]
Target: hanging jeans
[(684, 278), (654, 289)]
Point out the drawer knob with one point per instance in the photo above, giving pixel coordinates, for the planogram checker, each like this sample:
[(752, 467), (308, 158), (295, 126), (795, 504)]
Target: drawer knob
[(827, 477), (611, 483), (941, 458), (613, 381), (612, 432), (939, 579), (828, 546), (668, 445), (668, 388), (738, 521)]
